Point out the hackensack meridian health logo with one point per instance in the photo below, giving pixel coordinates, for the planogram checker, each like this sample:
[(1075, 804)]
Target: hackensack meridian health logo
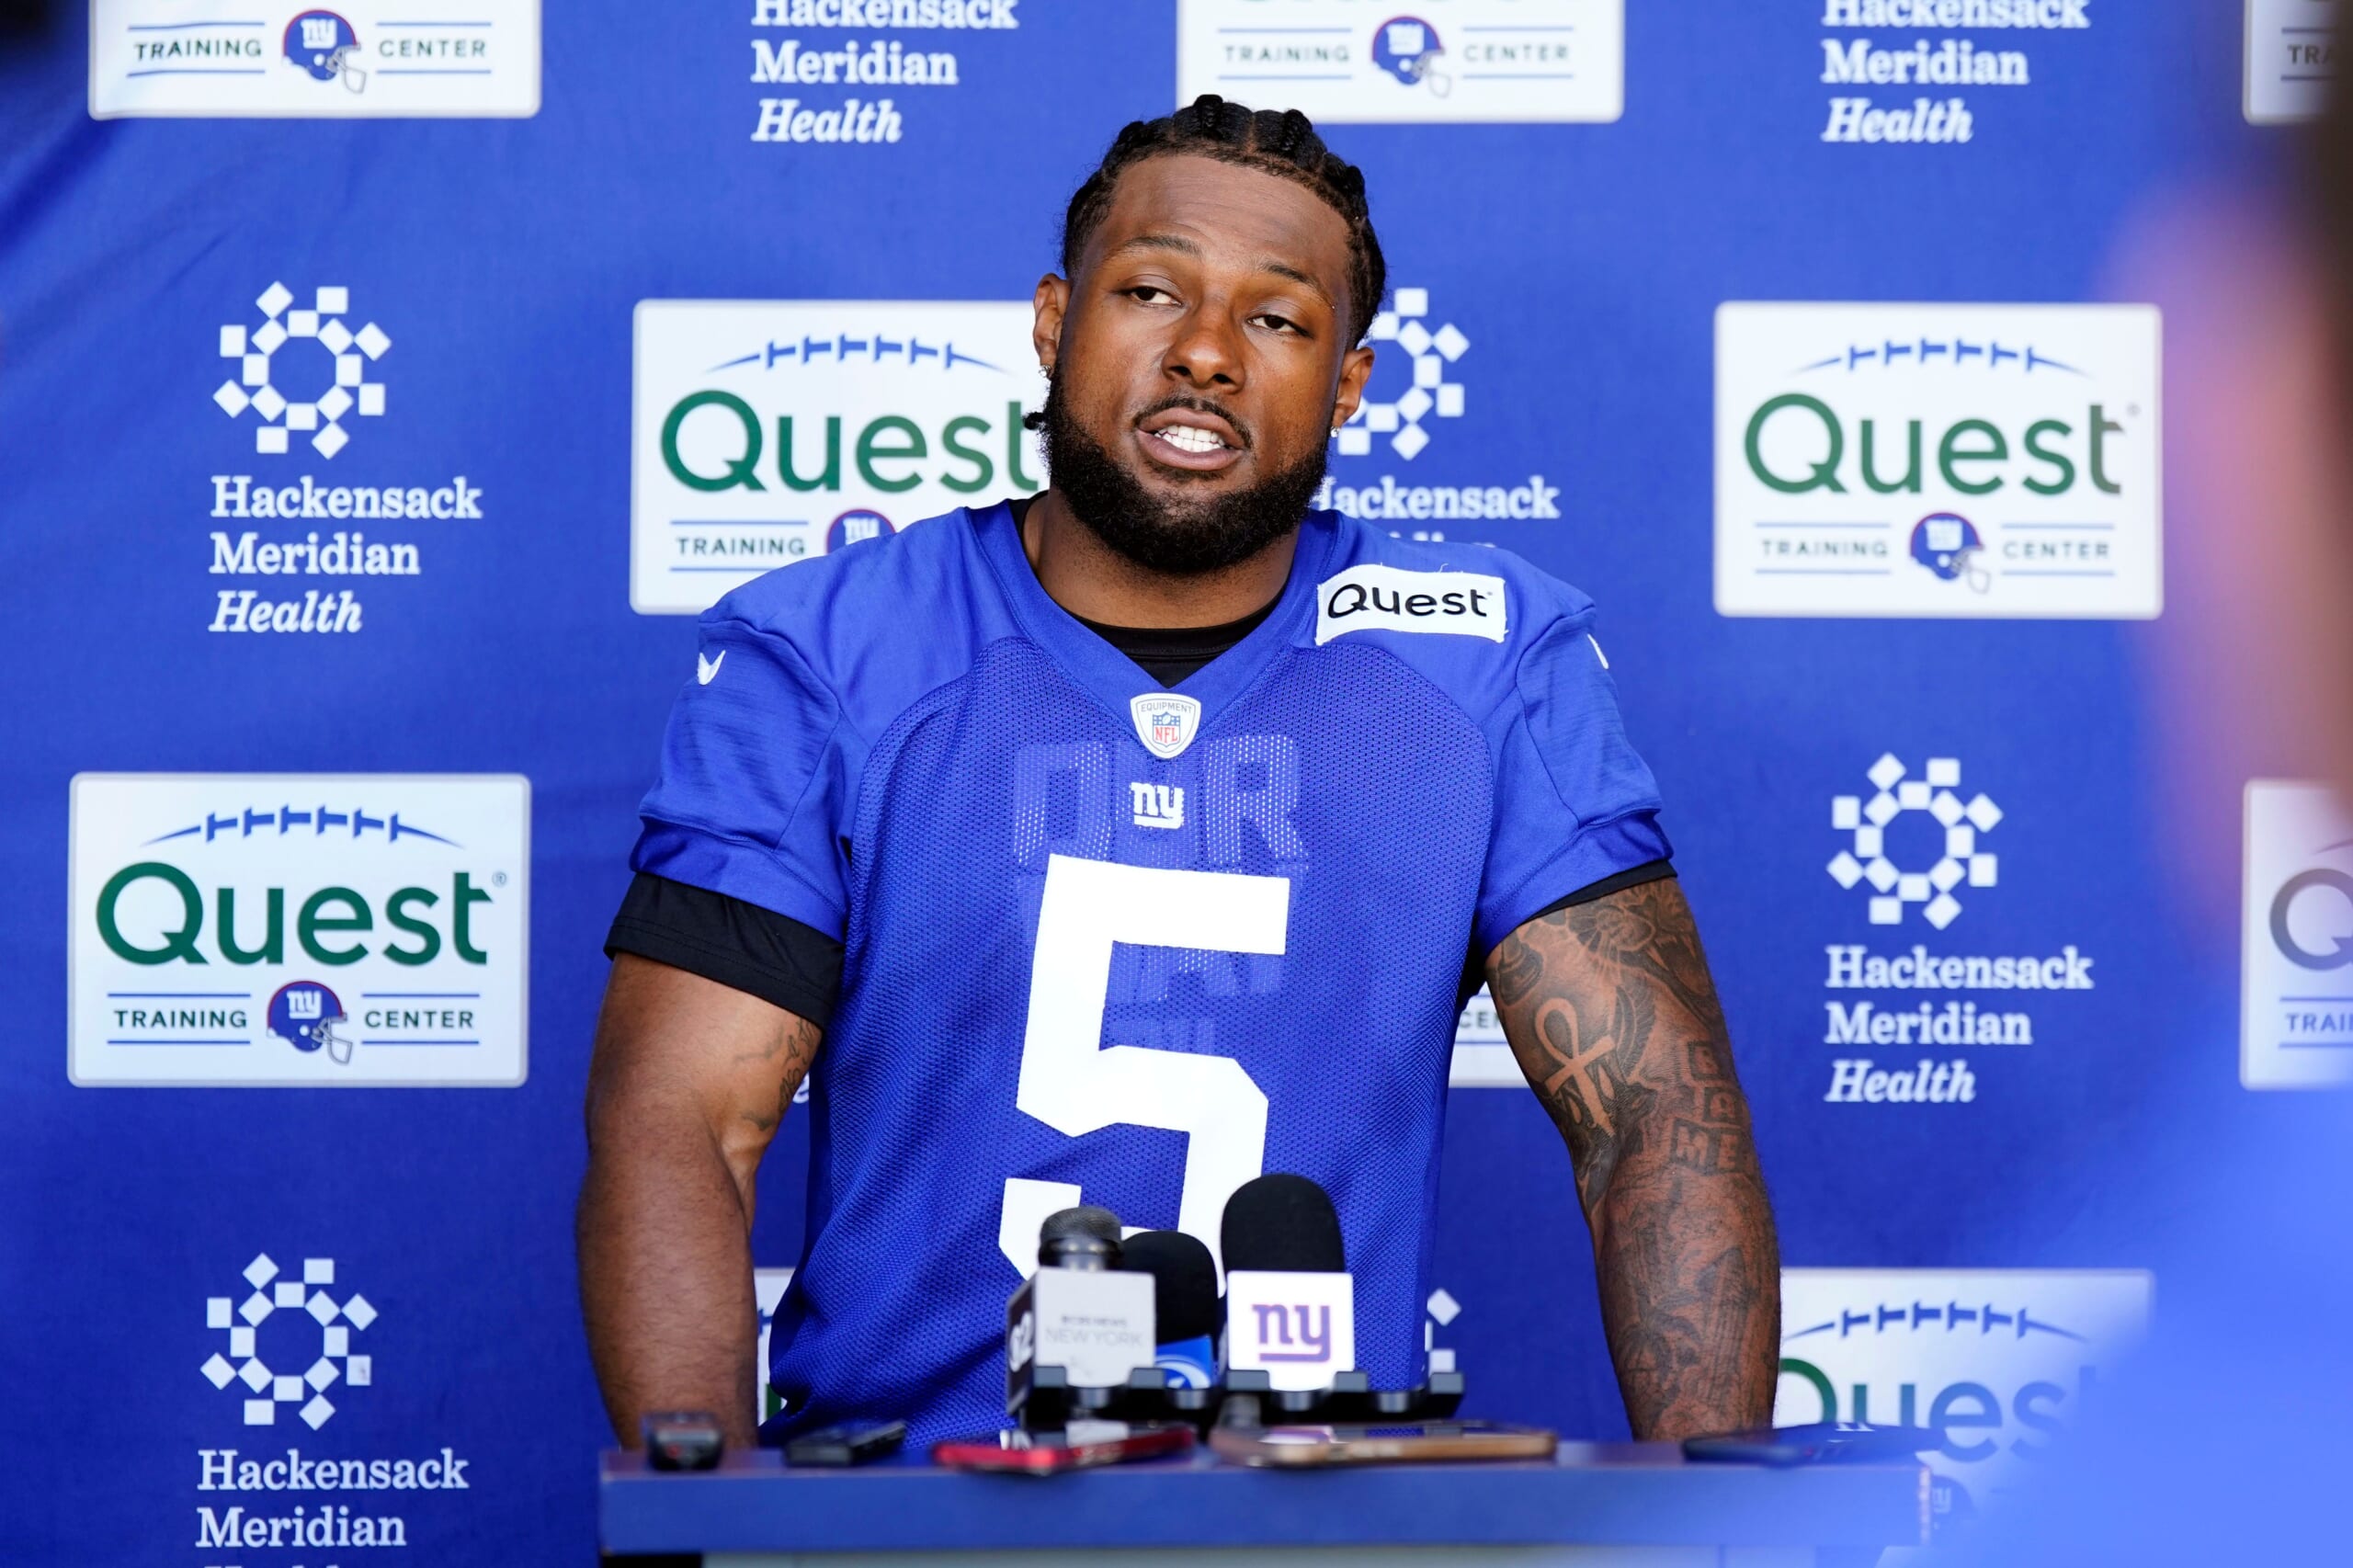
[(316, 414), (2000, 1361), (1918, 843), (305, 373), (1959, 857), (1462, 62), (1409, 409), (311, 1341), (767, 432), (1937, 460), (299, 929), (1396, 420), (356, 60)]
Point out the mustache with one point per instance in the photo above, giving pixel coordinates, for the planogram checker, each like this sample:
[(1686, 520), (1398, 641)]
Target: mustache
[(1198, 406)]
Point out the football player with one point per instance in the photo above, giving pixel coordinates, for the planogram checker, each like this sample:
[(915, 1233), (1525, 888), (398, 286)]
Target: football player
[(1117, 843)]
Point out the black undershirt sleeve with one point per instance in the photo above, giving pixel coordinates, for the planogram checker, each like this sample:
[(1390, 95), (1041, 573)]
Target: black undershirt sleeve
[(798, 968), (739, 945)]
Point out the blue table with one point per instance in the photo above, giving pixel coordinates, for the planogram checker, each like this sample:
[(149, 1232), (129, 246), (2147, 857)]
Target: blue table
[(1595, 1506)]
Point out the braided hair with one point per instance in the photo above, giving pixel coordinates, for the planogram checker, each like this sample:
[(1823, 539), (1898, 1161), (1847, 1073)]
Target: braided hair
[(1280, 142)]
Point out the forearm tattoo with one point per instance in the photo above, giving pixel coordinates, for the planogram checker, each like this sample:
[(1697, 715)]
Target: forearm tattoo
[(784, 1056), (1609, 1010)]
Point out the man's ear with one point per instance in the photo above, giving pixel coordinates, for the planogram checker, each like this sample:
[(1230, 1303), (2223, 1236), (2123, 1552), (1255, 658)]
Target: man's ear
[(1355, 369), (1051, 300)]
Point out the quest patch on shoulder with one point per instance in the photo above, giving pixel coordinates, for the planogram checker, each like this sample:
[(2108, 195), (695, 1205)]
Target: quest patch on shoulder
[(1386, 599)]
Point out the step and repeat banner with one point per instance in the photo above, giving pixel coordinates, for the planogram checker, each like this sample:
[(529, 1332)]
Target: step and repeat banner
[(383, 388)]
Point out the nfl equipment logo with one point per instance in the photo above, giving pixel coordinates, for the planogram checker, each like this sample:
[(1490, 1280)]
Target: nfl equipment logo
[(1165, 723)]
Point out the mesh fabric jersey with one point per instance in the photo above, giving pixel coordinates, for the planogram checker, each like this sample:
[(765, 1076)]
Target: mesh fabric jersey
[(1077, 971)]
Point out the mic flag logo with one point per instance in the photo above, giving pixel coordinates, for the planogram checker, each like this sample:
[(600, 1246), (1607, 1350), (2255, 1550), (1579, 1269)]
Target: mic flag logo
[(327, 1338), (1869, 821), (1297, 1327), (329, 391)]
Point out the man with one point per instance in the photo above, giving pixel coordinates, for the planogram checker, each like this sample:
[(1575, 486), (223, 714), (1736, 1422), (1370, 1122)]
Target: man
[(1121, 845)]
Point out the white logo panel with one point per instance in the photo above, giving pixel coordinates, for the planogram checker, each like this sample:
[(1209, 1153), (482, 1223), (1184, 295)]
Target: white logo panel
[(1373, 597), (363, 59), (2296, 969), (1937, 460), (1299, 1328), (1482, 1058), (2003, 1360), (767, 432), (2291, 59), (289, 929), (1466, 61)]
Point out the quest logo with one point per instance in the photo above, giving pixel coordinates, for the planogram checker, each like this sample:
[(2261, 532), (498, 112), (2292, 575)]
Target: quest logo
[(287, 929), (1937, 460), (769, 432), (2002, 1359)]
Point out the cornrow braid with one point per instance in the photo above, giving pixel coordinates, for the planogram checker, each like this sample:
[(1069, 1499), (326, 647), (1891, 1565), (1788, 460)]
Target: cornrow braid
[(1281, 143)]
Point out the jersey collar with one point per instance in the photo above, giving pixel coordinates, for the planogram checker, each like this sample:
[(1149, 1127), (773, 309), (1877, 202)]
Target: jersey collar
[(1110, 676)]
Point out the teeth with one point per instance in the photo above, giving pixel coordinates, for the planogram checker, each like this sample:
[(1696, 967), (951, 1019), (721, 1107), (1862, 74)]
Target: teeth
[(1189, 439)]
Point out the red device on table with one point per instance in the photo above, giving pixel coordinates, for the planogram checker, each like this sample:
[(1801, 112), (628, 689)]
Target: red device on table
[(1086, 1444)]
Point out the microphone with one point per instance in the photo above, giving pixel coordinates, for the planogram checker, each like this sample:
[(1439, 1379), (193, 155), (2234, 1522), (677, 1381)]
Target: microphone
[(1289, 1302), (1079, 1312), (1084, 1237), (1184, 1303)]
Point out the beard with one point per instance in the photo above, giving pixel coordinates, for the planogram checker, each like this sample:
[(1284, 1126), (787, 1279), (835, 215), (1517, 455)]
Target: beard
[(1177, 536)]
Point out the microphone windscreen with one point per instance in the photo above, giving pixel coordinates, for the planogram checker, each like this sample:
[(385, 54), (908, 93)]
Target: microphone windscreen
[(1087, 1220), (1184, 1282), (1282, 1224)]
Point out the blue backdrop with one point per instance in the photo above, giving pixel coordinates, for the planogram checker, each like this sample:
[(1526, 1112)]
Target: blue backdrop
[(504, 256)]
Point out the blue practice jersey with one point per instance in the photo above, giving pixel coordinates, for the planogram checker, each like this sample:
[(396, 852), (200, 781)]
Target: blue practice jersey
[(1111, 943)]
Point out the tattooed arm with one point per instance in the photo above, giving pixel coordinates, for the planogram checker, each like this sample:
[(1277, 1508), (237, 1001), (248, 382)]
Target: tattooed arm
[(1610, 1011), (688, 1084)]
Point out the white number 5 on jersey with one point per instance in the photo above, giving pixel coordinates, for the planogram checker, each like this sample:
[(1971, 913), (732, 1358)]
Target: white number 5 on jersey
[(1076, 1087)]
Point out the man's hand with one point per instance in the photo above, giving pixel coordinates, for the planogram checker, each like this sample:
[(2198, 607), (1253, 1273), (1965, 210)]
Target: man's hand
[(689, 1082), (1609, 1010)]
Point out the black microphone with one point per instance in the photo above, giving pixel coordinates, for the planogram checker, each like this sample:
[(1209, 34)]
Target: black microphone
[(1283, 1224), (1084, 1237), (1079, 1311), (1290, 1303), (1184, 1303)]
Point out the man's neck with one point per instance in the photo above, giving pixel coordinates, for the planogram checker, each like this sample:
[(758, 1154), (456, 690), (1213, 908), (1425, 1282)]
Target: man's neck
[(1094, 582)]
